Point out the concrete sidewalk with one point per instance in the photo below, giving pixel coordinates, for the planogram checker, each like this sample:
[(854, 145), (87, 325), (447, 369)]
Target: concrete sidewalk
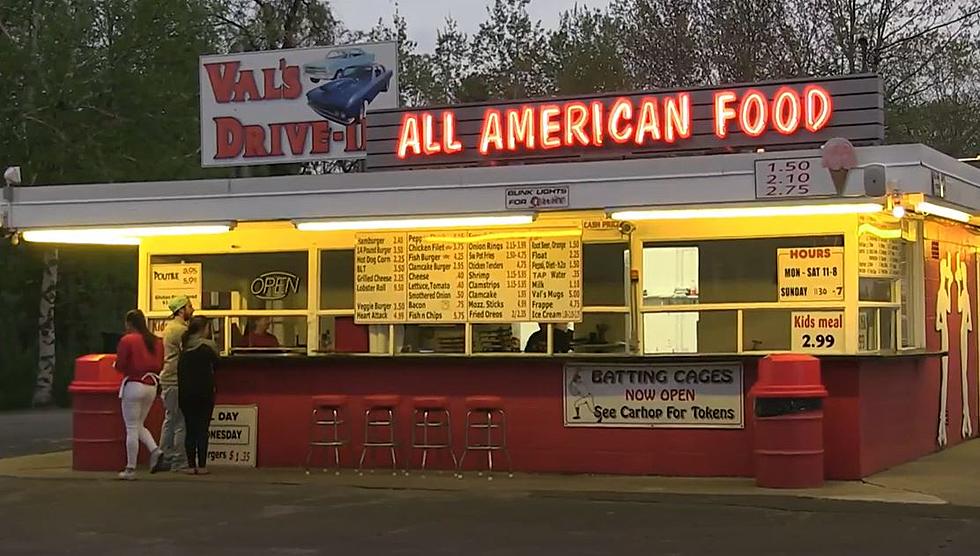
[(949, 477)]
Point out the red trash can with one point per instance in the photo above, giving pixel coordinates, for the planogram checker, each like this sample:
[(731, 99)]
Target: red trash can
[(788, 397), (98, 433)]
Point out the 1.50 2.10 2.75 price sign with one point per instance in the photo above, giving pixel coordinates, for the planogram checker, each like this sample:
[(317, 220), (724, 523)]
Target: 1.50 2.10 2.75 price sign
[(791, 177)]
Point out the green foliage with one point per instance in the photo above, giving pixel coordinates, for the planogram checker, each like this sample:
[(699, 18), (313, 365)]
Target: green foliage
[(20, 275)]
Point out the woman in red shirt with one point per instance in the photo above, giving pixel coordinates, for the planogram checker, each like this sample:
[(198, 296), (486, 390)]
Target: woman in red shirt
[(139, 358)]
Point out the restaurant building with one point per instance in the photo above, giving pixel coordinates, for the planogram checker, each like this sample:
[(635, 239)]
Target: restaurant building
[(664, 242)]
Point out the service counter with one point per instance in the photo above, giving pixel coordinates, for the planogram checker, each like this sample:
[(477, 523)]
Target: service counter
[(879, 412)]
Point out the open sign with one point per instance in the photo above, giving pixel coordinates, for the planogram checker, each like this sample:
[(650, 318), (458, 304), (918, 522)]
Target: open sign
[(271, 286)]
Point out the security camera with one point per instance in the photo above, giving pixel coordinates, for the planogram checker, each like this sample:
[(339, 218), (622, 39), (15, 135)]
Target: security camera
[(12, 175)]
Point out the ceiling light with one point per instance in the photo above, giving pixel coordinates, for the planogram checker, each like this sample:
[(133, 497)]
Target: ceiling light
[(407, 223), (741, 212), (925, 207)]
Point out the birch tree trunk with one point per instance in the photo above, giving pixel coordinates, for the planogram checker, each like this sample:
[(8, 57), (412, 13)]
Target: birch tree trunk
[(45, 335)]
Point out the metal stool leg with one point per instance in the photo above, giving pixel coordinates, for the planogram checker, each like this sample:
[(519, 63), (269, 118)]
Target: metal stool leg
[(503, 442), (365, 445), (391, 440)]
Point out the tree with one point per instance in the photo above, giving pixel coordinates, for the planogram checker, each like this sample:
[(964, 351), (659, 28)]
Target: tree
[(584, 54), (250, 25), (507, 52), (662, 42), (414, 70), (43, 387), (747, 41), (449, 63)]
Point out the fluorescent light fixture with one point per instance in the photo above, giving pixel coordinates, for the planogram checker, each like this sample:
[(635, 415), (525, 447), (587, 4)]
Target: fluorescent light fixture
[(119, 236), (741, 212), (405, 223), (925, 207)]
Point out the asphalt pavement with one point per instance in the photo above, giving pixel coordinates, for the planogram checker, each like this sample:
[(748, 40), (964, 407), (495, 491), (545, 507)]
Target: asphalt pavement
[(157, 517), (34, 432), (45, 508)]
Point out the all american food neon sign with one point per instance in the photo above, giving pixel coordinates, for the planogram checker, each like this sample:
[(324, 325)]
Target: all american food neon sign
[(649, 120)]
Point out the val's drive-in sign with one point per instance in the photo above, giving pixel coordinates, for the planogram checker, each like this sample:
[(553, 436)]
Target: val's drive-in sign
[(231, 436), (799, 113), (701, 395), (287, 106)]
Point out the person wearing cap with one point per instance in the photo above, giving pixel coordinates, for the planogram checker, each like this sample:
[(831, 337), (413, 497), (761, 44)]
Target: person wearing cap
[(172, 434)]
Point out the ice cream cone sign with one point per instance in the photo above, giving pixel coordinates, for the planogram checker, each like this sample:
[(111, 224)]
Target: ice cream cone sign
[(838, 158)]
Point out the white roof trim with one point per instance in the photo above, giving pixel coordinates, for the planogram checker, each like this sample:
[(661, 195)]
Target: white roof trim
[(653, 182)]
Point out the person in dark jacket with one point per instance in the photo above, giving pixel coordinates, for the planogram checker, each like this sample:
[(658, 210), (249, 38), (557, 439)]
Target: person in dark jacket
[(195, 372)]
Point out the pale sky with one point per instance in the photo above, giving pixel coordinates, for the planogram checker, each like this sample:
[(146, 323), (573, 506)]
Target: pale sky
[(424, 17)]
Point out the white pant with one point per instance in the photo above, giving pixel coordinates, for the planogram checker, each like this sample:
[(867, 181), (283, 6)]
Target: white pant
[(137, 398)]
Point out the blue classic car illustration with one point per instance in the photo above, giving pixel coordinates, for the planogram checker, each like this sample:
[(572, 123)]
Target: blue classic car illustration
[(335, 61), (344, 100)]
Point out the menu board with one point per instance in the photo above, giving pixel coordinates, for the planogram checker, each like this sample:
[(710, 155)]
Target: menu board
[(556, 279), (415, 277), (811, 273), (879, 257), (497, 285), (379, 277), (435, 279), (168, 281)]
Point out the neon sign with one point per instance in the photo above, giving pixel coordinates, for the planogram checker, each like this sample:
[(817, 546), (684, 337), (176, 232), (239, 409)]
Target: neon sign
[(650, 120)]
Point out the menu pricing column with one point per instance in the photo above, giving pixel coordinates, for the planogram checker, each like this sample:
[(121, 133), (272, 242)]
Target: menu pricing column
[(556, 280), (379, 278), (436, 279), (497, 280)]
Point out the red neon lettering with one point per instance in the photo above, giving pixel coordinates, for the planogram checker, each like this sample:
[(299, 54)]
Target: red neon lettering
[(678, 112), (576, 116), (648, 123), (550, 127), (449, 142), (622, 110), (786, 111), (723, 112), (597, 118), (753, 113), (819, 107), (491, 133), (409, 136), (429, 145), (520, 128)]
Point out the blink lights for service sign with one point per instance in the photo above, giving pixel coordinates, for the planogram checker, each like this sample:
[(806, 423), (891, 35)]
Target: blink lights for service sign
[(289, 106)]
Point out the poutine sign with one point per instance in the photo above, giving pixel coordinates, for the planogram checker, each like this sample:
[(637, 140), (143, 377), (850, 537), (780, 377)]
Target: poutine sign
[(288, 106)]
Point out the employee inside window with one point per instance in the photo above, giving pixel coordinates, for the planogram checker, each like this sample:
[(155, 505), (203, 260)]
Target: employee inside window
[(257, 333), (538, 342)]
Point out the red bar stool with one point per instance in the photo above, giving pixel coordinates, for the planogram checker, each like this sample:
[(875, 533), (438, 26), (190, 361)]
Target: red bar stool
[(486, 413), (379, 415), (435, 416), (326, 427)]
